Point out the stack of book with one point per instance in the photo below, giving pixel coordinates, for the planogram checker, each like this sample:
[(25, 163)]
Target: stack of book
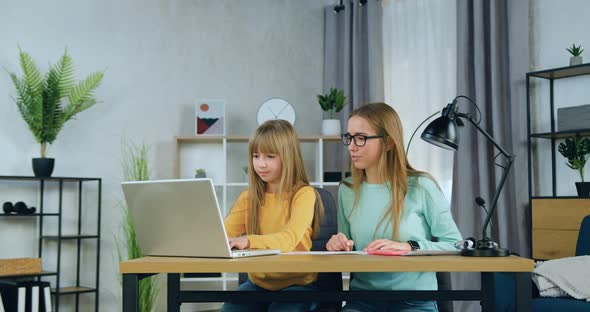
[(573, 118)]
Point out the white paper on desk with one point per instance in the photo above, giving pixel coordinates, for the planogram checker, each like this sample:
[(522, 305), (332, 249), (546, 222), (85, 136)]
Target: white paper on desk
[(423, 252), (325, 253)]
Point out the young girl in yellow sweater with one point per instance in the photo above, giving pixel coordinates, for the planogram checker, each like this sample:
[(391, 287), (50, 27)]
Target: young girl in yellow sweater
[(279, 210)]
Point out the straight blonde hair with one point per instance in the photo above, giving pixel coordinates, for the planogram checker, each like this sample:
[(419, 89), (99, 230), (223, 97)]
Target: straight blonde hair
[(392, 164), (278, 137)]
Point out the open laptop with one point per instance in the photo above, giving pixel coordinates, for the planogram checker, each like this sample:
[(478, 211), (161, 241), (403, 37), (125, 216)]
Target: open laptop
[(180, 218)]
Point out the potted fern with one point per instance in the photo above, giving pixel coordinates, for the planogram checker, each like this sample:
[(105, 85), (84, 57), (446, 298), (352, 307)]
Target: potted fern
[(576, 52), (332, 103), (576, 151), (40, 100)]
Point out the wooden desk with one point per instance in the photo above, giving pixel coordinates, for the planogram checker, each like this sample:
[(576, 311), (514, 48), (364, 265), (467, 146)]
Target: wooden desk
[(519, 268)]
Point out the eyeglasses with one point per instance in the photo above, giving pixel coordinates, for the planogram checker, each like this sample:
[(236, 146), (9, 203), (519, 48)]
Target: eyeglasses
[(359, 139)]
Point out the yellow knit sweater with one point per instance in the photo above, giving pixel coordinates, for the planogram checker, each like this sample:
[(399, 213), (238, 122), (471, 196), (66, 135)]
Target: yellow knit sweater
[(278, 230)]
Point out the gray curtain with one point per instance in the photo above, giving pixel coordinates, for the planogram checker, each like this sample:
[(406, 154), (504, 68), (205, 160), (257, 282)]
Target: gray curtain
[(353, 61), (492, 60)]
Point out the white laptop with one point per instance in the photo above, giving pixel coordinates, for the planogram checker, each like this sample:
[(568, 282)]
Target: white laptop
[(180, 218)]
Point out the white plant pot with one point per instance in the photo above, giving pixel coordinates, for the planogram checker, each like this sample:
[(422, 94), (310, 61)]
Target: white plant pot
[(575, 60), (331, 127)]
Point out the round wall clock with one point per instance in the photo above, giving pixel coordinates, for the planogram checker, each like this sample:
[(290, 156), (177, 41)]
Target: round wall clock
[(275, 108)]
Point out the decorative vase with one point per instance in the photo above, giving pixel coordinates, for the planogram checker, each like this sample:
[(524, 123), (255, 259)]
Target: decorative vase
[(200, 175), (43, 167), (583, 189), (331, 127), (575, 60)]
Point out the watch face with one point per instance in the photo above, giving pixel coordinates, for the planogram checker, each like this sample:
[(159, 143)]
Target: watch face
[(275, 108)]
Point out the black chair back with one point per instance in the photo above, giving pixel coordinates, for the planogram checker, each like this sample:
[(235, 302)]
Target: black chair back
[(328, 227), (583, 245)]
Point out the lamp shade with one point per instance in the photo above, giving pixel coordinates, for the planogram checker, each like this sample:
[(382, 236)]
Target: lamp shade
[(443, 133)]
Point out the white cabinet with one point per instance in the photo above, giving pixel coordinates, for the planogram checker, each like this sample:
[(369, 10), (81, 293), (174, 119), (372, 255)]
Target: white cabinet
[(223, 157)]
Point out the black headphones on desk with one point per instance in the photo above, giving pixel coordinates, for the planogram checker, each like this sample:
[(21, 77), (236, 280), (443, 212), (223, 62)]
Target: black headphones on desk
[(17, 208)]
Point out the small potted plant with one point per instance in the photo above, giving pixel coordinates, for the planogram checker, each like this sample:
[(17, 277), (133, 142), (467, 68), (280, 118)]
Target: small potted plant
[(245, 172), (576, 151), (576, 52), (332, 103), (200, 173), (39, 100)]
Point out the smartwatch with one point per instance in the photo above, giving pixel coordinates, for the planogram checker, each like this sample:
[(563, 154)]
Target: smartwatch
[(414, 244)]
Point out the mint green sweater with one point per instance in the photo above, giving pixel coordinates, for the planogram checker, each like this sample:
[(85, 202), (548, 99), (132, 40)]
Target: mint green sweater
[(426, 214)]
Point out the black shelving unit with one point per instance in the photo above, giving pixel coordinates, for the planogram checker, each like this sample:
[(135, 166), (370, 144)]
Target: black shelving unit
[(553, 217), (61, 290), (551, 75)]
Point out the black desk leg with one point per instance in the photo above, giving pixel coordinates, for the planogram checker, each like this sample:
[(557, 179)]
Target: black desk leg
[(523, 291), (130, 293), (488, 292), (173, 292)]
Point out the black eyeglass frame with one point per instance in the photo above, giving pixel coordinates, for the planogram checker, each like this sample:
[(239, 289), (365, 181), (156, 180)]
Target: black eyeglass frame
[(347, 137)]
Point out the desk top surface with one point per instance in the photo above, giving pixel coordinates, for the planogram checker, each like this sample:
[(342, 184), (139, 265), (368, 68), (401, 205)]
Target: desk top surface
[(328, 263)]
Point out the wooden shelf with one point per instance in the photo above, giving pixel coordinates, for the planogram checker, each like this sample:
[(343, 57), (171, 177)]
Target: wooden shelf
[(13, 215), (244, 139), (32, 178), (561, 134), (65, 237), (556, 197), (562, 72), (42, 273), (72, 290)]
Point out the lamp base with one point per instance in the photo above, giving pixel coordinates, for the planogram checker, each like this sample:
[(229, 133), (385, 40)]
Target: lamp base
[(486, 252), (485, 248)]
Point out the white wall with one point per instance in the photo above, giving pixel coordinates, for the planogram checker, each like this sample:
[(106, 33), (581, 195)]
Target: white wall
[(555, 26), (159, 56)]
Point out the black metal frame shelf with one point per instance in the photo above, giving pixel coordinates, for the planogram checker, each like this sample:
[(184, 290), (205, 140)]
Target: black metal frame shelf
[(561, 134), (70, 237), (562, 72), (28, 275), (73, 290), (555, 197), (33, 178), (553, 135), (30, 215), (60, 237)]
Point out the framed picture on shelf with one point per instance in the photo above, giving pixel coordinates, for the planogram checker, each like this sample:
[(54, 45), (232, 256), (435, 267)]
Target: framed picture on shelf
[(210, 117)]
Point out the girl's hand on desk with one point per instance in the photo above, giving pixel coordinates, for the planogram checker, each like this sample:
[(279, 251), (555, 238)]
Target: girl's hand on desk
[(339, 242), (241, 242), (386, 244)]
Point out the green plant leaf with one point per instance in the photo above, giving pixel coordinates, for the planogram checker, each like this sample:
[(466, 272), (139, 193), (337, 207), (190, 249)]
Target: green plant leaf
[(333, 101), (39, 98), (575, 51), (136, 168), (576, 151)]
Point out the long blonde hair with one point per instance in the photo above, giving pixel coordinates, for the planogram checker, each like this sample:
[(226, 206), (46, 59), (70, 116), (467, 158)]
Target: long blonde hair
[(278, 137), (392, 164)]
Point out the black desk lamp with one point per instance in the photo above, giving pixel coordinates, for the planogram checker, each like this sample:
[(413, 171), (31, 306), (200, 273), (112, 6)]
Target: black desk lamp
[(443, 132)]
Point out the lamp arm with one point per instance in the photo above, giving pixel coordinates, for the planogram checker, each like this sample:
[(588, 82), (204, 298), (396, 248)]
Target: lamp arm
[(487, 135), (496, 195), (509, 159)]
